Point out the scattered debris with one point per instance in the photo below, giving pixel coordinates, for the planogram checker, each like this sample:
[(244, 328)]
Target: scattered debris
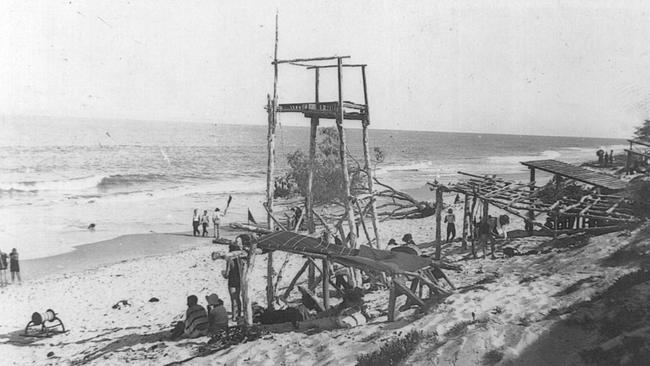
[(121, 304)]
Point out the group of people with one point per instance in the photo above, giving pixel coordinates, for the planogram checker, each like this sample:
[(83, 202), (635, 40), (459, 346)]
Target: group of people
[(201, 322), (12, 264), (203, 221), (605, 159)]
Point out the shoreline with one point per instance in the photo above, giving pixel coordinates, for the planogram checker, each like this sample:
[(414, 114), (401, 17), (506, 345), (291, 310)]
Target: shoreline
[(108, 252)]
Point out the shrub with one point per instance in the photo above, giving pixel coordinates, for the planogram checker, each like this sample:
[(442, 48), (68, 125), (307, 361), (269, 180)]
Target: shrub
[(392, 352), (327, 184), (638, 191)]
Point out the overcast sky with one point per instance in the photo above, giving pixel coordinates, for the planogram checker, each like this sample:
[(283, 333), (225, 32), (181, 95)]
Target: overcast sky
[(524, 67)]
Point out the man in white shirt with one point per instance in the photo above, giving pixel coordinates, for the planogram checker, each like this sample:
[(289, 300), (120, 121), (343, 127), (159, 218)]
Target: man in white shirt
[(216, 220), (450, 219)]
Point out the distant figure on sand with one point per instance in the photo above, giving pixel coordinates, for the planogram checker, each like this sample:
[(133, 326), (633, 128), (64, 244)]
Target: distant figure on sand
[(196, 221), (600, 153), (457, 199), (450, 219), (3, 268), (14, 266), (216, 221), (485, 235), (611, 157), (205, 222)]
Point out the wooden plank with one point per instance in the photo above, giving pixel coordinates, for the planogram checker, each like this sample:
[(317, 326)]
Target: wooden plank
[(407, 291), (577, 173), (638, 153), (326, 58), (293, 282), (438, 223), (639, 142), (326, 284), (368, 168), (392, 299), (331, 66), (344, 160)]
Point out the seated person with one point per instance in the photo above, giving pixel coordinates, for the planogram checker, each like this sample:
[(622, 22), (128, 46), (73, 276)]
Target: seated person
[(408, 247), (196, 319), (217, 315)]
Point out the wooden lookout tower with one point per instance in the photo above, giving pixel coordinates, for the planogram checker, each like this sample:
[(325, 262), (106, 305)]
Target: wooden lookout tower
[(340, 111)]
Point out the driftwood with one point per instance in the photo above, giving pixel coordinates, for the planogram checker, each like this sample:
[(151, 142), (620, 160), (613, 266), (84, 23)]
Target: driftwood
[(253, 228), (401, 205)]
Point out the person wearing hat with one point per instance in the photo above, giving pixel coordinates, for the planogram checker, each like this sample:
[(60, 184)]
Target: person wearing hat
[(217, 315), (392, 242), (408, 239), (450, 219)]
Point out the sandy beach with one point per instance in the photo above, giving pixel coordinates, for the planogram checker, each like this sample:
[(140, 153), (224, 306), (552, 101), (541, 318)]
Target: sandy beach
[(505, 305)]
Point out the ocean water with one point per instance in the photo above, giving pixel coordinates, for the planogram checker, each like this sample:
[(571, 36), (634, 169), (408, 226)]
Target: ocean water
[(57, 176)]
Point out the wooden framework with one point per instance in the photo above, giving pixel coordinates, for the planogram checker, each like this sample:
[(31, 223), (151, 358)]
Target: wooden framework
[(577, 173), (339, 110), (421, 288), (521, 198)]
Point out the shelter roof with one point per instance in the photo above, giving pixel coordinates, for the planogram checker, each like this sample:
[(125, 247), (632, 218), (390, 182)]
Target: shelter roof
[(577, 173), (364, 258)]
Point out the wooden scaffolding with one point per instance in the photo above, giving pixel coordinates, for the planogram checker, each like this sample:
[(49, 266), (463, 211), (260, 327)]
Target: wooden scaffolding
[(339, 111), (522, 200)]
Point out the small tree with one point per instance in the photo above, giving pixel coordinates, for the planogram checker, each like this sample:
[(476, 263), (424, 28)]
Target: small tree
[(643, 132), (327, 184)]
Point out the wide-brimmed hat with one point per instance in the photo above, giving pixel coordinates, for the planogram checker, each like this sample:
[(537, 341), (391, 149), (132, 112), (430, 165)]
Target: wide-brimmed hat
[(212, 299)]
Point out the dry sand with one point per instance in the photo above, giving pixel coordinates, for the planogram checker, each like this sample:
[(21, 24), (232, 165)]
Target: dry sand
[(511, 305)]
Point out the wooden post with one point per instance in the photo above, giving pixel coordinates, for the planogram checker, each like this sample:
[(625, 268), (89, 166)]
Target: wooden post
[(474, 199), (368, 168), (363, 223), (295, 280), (438, 222), (344, 159), (312, 159), (273, 118), (311, 275), (392, 299), (531, 214), (466, 218), (326, 284), (246, 303)]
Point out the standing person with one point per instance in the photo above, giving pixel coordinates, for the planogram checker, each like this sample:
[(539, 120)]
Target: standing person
[(216, 221), (450, 219), (3, 268), (14, 266), (233, 272), (205, 222), (611, 157), (196, 219)]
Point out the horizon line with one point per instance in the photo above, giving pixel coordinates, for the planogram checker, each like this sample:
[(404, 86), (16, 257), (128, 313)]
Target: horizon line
[(99, 119)]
